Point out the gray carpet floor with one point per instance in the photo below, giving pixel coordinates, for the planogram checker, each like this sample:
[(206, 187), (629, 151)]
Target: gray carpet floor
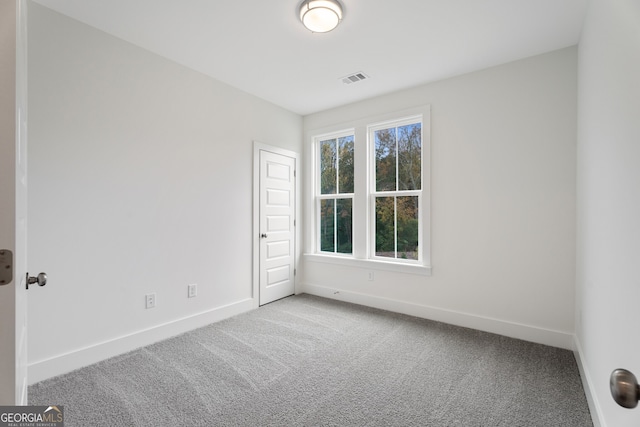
[(309, 361)]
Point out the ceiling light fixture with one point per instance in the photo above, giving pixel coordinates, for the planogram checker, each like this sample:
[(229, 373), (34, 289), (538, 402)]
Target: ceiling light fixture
[(321, 16)]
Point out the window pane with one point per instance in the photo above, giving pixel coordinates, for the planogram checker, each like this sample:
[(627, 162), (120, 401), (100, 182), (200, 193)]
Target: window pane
[(344, 209), (385, 144), (327, 236), (407, 220), (328, 157), (385, 233), (409, 156), (345, 160)]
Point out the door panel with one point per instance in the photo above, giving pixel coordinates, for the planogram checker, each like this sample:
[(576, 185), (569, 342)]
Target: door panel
[(277, 250), (13, 187), (277, 231), (278, 223)]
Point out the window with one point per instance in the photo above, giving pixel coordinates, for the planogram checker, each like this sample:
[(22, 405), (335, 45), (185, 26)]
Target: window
[(335, 194), (371, 193), (396, 189)]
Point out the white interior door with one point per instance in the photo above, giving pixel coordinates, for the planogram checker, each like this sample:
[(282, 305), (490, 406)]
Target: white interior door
[(277, 226), (13, 202)]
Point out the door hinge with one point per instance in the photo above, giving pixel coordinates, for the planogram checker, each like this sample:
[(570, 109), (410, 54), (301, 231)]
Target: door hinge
[(294, 173), (294, 222), (295, 271), (6, 266)]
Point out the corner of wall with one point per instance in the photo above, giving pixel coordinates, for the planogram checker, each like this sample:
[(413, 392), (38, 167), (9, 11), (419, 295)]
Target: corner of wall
[(587, 384)]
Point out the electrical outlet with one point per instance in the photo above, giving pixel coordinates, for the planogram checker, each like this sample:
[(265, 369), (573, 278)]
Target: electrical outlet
[(192, 290), (150, 301), (371, 276)]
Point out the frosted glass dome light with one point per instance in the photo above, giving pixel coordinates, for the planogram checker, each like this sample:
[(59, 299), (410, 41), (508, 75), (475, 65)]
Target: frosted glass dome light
[(321, 16)]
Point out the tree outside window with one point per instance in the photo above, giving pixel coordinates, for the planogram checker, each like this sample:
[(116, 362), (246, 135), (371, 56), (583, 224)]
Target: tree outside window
[(335, 205), (393, 185), (398, 184)]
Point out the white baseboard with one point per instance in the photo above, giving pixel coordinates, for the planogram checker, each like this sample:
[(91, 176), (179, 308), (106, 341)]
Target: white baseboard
[(63, 363), (501, 327), (587, 384)]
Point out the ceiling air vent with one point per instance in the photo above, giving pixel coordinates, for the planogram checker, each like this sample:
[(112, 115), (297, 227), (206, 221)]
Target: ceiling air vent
[(354, 78)]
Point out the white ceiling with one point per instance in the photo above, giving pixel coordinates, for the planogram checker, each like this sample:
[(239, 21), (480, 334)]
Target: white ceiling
[(261, 47)]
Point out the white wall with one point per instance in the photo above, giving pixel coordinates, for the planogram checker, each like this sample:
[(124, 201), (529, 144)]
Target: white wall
[(503, 147), (140, 181), (608, 227)]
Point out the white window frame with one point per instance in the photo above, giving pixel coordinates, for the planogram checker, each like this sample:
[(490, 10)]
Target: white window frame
[(374, 193), (363, 214), (319, 197)]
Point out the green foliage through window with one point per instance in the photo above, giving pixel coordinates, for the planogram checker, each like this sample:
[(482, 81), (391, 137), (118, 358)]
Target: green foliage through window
[(397, 227), (389, 194), (337, 180), (398, 179)]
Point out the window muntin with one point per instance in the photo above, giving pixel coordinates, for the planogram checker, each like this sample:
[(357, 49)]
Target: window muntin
[(398, 157), (335, 193), (397, 190)]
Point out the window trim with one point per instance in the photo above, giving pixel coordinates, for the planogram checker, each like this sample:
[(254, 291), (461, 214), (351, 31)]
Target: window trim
[(369, 264), (373, 193), (361, 256), (319, 197)]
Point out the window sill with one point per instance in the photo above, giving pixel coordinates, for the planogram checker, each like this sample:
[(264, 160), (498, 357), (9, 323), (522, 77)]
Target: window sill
[(420, 270)]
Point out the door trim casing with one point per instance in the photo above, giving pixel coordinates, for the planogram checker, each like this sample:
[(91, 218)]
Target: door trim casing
[(257, 147), (13, 224)]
